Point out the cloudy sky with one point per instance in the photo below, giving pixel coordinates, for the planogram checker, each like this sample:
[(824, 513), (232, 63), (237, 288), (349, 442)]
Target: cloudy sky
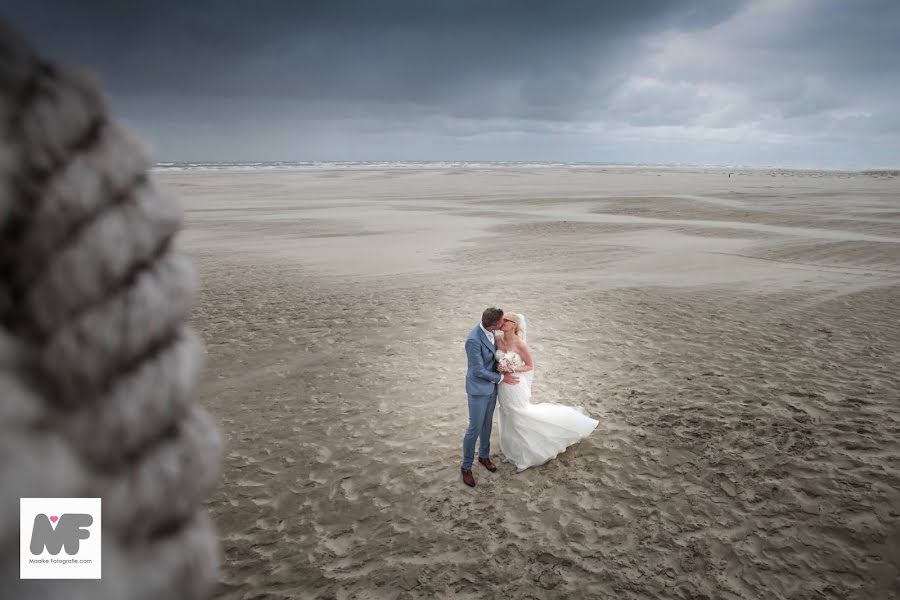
[(803, 83)]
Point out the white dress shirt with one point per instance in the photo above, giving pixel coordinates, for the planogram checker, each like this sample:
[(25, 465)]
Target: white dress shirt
[(489, 334)]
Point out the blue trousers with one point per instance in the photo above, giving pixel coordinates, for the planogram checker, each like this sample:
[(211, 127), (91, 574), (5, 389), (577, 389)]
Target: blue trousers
[(481, 417)]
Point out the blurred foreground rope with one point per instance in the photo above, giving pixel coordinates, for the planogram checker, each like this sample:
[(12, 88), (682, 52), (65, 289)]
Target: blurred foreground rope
[(97, 368)]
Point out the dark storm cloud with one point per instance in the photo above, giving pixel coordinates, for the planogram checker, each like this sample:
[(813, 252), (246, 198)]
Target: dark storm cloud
[(412, 51), (525, 79)]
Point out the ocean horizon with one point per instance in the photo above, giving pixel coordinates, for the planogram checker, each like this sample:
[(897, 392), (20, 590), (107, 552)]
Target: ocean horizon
[(406, 164)]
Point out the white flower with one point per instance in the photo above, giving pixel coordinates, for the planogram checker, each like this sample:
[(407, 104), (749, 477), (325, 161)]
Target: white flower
[(509, 361)]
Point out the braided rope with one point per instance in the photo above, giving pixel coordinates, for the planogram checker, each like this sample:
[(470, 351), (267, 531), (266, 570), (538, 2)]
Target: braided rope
[(97, 368)]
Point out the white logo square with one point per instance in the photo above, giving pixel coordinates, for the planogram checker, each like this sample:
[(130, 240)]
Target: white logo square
[(59, 538)]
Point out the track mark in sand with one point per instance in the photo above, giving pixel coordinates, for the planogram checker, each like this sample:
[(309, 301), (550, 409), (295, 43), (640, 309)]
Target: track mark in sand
[(798, 232), (348, 489), (323, 454), (815, 266), (340, 544), (249, 483)]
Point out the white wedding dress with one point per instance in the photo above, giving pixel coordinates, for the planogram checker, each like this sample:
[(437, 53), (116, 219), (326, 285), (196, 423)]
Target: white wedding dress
[(532, 434)]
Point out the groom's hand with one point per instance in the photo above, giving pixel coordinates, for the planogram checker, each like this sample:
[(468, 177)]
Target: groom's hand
[(510, 379)]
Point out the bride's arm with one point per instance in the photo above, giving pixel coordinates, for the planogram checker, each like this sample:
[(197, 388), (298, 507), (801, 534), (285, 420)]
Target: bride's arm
[(525, 353)]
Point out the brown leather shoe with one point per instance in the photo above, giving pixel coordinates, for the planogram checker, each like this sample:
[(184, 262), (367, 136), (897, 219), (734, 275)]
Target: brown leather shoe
[(467, 477), (486, 462)]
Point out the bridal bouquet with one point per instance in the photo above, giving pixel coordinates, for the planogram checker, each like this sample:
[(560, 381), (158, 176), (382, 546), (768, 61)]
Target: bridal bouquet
[(510, 363)]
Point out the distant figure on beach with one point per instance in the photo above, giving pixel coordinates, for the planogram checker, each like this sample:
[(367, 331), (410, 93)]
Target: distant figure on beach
[(530, 434)]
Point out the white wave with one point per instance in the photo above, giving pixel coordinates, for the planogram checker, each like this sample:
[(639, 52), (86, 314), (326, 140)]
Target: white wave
[(422, 165), (363, 165)]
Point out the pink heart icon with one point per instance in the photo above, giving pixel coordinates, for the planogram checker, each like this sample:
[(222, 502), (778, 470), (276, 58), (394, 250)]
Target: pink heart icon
[(54, 518)]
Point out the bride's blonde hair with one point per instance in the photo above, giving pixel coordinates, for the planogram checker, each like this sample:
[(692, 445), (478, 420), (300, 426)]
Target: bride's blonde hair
[(515, 318)]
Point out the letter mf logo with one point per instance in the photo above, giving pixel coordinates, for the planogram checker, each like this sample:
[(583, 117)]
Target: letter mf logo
[(70, 529)]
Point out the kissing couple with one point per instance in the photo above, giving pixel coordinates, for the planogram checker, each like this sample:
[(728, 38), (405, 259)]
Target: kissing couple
[(501, 369)]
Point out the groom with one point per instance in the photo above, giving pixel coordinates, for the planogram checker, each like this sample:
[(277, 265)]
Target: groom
[(481, 387)]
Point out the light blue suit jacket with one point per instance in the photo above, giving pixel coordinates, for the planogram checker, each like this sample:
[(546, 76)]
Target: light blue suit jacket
[(481, 378)]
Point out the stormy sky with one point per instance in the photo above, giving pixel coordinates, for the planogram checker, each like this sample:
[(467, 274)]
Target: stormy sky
[(802, 83)]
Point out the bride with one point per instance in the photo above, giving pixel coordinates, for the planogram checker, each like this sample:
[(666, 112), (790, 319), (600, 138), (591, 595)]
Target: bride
[(531, 434)]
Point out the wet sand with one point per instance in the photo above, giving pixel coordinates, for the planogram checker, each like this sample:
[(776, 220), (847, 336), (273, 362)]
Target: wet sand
[(738, 339)]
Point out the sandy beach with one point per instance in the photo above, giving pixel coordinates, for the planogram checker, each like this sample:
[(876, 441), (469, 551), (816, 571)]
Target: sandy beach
[(737, 337)]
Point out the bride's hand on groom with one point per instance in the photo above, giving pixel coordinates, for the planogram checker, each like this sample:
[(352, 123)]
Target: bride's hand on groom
[(510, 379)]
